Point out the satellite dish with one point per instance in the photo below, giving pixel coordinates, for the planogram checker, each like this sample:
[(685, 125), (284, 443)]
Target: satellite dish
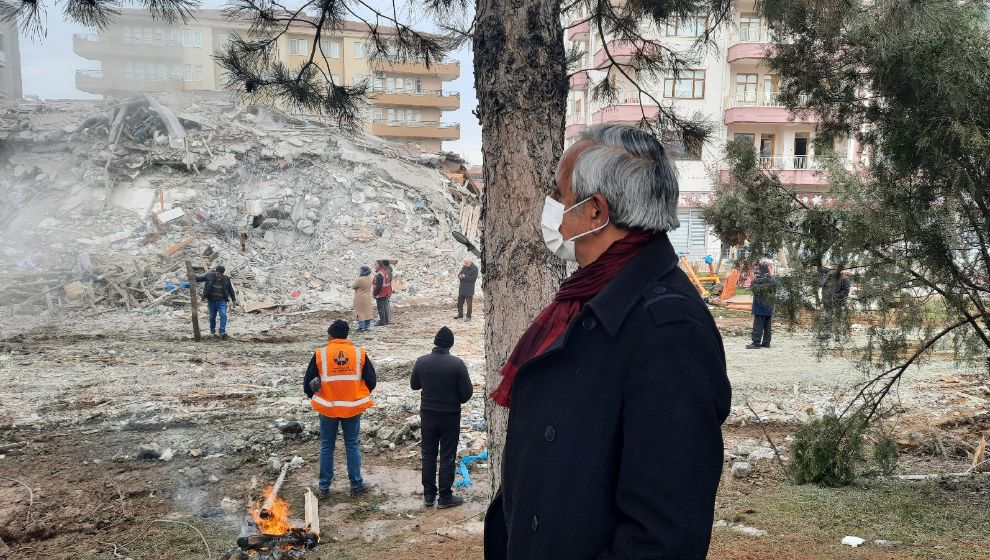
[(463, 240)]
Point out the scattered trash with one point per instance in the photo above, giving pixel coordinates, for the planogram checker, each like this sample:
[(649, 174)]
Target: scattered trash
[(852, 541), (465, 480)]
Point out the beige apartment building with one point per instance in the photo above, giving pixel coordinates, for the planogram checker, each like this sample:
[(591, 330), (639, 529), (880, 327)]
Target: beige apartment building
[(10, 62), (139, 54)]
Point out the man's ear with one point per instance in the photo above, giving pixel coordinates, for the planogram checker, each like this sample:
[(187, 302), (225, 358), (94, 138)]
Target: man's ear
[(601, 207)]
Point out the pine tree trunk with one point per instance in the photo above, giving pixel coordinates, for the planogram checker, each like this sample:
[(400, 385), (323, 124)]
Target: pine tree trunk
[(521, 80)]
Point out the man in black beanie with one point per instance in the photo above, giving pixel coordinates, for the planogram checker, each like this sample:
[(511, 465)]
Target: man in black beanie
[(446, 386)]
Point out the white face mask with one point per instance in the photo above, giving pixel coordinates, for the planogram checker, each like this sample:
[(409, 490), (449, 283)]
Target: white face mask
[(553, 217)]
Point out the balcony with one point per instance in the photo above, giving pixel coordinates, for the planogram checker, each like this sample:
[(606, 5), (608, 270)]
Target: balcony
[(579, 80), (446, 70), (629, 107), (807, 172), (412, 129), (94, 47), (434, 98), (621, 51), (751, 43), (95, 81), (576, 122), (759, 107), (579, 31)]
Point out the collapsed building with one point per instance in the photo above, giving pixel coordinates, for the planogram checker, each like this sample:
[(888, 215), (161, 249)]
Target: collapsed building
[(101, 203)]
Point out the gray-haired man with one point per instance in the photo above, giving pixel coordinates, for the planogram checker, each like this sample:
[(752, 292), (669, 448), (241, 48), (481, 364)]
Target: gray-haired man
[(618, 390)]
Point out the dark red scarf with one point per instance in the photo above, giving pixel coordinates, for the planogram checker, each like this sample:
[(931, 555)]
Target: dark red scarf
[(574, 292)]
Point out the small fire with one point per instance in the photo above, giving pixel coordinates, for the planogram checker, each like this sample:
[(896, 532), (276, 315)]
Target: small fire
[(276, 521)]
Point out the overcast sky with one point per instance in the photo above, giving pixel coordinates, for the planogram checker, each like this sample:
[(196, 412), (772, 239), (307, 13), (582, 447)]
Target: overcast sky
[(48, 68)]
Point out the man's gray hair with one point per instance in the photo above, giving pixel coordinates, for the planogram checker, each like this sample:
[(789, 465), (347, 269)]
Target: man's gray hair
[(633, 171)]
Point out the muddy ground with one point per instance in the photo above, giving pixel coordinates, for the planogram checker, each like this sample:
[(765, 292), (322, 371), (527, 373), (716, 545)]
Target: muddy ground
[(132, 438)]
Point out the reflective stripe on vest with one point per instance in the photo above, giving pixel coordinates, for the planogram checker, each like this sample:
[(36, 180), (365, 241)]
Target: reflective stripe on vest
[(343, 394)]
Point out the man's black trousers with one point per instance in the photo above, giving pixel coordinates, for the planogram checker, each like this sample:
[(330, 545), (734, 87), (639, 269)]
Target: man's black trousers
[(460, 305), (440, 430), (761, 330)]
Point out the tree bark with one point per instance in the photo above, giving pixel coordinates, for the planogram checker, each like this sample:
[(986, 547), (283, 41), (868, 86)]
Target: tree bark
[(521, 81)]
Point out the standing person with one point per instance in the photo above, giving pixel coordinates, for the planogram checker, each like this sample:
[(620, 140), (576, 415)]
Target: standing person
[(217, 292), (339, 382), (465, 290), (364, 307), (446, 385), (763, 285), (618, 389), (382, 290)]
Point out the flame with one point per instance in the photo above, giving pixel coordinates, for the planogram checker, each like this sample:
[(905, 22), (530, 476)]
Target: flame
[(277, 522)]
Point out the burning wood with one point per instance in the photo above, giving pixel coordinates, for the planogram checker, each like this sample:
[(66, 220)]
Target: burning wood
[(278, 538)]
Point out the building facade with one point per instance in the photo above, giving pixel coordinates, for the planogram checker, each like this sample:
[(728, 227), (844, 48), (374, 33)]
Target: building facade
[(139, 54), (731, 87), (10, 62)]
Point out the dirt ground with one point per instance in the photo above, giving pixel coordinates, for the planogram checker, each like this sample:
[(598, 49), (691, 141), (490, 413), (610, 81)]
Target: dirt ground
[(137, 442)]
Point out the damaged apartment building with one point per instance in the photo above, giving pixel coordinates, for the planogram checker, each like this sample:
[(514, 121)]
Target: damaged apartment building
[(140, 54), (103, 201)]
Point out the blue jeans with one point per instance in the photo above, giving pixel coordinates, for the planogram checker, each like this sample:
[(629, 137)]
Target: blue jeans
[(364, 325), (328, 441), (221, 308)]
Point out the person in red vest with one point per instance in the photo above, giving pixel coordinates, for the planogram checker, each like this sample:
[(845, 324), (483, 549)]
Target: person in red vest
[(339, 382), (382, 291)]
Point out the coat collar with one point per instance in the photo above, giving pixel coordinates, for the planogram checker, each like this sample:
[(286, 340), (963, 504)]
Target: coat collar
[(438, 350), (617, 299)]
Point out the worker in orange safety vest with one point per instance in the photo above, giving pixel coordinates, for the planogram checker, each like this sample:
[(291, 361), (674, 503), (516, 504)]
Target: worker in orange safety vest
[(339, 382)]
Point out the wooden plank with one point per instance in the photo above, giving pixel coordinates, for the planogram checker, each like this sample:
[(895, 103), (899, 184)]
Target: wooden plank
[(193, 300), (266, 508), (312, 519)]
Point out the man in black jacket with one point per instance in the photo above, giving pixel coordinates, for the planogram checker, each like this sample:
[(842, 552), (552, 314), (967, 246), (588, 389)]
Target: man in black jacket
[(465, 290), (446, 385), (217, 292), (618, 390)]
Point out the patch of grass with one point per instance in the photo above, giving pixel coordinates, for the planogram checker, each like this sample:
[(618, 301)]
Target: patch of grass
[(954, 516)]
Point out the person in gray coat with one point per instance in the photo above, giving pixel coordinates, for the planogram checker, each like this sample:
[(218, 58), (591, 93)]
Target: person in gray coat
[(465, 292)]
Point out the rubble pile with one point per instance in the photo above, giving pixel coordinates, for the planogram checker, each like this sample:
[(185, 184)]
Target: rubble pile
[(102, 202)]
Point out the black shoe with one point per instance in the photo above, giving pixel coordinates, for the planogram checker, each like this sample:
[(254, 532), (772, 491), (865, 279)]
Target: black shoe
[(753, 347), (323, 493), (223, 336), (429, 500), (363, 489), (450, 502), (459, 317), (766, 345), (468, 319)]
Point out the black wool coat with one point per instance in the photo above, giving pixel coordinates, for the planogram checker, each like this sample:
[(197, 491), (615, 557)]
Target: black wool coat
[(614, 443)]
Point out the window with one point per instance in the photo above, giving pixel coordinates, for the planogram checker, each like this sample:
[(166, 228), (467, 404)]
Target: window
[(159, 37), (359, 51), (331, 49), (744, 137), (193, 73), (391, 115), (692, 26), (298, 47), (686, 84), (419, 85), (377, 114), (3, 52), (750, 28), (192, 38), (684, 151), (746, 88), (225, 39)]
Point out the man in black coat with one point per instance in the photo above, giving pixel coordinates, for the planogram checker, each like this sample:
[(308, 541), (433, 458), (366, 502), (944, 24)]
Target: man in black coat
[(217, 292), (613, 447), (465, 291), (445, 383)]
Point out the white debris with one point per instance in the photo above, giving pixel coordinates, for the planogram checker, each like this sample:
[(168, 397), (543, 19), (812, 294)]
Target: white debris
[(852, 541)]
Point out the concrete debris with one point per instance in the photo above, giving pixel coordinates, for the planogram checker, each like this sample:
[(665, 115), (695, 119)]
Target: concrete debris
[(740, 528), (762, 454), (741, 469), (141, 184)]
